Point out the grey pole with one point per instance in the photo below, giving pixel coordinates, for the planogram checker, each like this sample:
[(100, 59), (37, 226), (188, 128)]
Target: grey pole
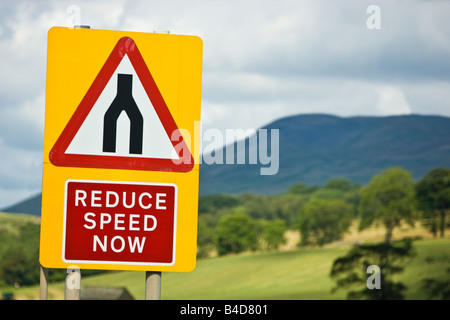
[(43, 288), (73, 284), (152, 285)]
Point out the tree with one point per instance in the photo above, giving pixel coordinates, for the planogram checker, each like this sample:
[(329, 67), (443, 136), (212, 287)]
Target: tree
[(350, 271), (390, 198), (235, 233), (273, 233), (324, 220), (212, 203), (286, 207), (205, 238), (258, 206), (19, 268), (301, 188), (19, 262), (342, 184), (433, 195)]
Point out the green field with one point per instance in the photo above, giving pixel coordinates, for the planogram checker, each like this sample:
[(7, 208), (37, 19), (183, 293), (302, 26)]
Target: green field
[(295, 274), (10, 223)]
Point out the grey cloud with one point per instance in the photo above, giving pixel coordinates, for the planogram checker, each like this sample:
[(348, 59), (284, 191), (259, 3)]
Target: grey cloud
[(337, 43), (262, 60)]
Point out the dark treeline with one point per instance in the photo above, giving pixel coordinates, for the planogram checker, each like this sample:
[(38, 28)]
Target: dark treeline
[(234, 223)]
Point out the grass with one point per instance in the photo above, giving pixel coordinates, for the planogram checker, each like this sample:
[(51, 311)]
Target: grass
[(295, 274), (432, 260), (10, 223), (298, 274), (291, 273)]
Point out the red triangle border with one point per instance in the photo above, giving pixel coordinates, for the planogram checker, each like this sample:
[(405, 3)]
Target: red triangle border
[(57, 155)]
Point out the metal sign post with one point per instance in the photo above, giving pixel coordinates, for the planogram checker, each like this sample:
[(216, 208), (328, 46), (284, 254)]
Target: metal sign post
[(73, 284), (152, 285), (43, 288)]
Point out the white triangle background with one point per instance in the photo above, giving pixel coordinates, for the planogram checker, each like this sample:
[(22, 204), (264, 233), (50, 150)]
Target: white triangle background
[(89, 138)]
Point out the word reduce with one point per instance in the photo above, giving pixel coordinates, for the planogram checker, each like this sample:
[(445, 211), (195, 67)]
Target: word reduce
[(119, 222)]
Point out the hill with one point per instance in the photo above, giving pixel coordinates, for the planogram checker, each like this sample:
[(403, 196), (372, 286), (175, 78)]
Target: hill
[(315, 148), (31, 206), (11, 223)]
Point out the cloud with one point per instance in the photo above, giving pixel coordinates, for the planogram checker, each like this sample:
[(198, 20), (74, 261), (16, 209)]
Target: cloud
[(333, 41), (20, 173), (391, 101), (263, 59)]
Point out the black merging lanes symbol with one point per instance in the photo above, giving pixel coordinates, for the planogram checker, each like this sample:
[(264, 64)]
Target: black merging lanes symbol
[(123, 101)]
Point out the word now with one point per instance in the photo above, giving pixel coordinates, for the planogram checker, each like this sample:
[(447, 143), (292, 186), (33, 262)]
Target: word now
[(137, 242)]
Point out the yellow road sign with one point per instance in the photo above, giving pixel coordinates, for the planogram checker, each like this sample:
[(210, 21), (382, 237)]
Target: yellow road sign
[(121, 158)]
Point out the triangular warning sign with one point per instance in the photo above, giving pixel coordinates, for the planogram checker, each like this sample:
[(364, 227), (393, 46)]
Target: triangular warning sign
[(123, 121)]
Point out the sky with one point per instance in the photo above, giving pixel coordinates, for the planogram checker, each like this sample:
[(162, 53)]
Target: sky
[(262, 60)]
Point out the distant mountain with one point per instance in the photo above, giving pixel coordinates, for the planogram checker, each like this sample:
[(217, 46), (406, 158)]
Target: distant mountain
[(314, 148), (31, 206)]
